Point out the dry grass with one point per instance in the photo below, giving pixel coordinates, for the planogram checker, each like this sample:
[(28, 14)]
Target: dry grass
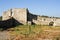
[(35, 32)]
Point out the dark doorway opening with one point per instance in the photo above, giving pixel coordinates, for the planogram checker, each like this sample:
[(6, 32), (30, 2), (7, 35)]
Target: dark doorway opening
[(51, 23)]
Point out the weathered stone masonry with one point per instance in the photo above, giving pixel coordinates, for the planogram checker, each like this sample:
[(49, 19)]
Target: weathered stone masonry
[(19, 14), (23, 16)]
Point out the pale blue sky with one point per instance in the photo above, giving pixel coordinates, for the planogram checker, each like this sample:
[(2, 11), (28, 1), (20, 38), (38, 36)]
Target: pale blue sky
[(39, 7)]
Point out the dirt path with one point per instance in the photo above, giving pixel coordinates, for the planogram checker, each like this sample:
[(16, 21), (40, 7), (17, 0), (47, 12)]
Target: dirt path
[(52, 30), (4, 35)]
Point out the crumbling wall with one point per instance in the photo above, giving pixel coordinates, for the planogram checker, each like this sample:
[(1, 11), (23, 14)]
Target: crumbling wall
[(6, 15), (23, 16), (46, 21), (20, 15)]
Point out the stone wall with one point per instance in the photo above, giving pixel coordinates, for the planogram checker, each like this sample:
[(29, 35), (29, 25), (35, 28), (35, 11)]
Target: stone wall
[(45, 21), (23, 16), (6, 15), (20, 15), (31, 17)]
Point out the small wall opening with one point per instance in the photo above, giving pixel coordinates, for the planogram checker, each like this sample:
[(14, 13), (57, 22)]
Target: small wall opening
[(51, 23)]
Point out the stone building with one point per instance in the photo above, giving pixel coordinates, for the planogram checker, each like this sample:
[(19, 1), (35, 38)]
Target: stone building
[(23, 16), (18, 14), (46, 21)]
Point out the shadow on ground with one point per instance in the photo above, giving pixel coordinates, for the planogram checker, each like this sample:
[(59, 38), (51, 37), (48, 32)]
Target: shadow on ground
[(6, 24)]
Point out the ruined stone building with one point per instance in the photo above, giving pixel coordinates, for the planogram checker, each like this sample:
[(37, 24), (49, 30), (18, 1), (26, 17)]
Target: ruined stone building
[(23, 16)]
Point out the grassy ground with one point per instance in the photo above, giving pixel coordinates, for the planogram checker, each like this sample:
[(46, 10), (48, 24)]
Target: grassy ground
[(34, 32)]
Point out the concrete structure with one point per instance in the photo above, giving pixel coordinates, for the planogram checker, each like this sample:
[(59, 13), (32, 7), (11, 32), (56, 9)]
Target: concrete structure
[(23, 16)]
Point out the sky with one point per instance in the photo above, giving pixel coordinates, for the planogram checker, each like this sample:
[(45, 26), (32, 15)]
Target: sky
[(39, 7)]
